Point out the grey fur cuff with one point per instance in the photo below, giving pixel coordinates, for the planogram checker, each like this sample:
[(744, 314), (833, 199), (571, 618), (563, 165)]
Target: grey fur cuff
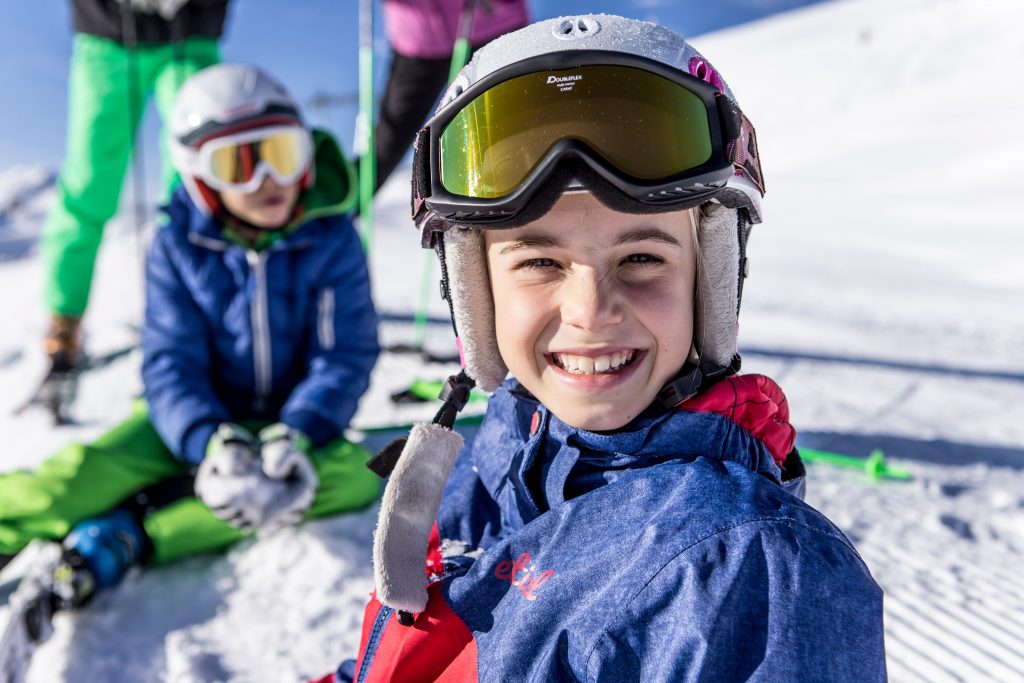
[(407, 515)]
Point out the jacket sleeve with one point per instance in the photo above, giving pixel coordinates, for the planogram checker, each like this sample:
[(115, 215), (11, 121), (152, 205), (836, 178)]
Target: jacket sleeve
[(176, 358), (762, 601), (342, 346)]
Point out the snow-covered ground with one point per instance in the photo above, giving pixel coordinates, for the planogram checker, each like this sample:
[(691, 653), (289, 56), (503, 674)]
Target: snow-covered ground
[(883, 296)]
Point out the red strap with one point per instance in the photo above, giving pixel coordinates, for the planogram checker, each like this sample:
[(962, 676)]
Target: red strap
[(435, 563)]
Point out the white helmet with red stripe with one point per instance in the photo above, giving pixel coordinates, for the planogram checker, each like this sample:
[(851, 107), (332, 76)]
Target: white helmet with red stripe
[(222, 100)]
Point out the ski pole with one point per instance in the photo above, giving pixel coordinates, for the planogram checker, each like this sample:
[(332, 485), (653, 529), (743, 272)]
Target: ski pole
[(364, 126), (874, 466)]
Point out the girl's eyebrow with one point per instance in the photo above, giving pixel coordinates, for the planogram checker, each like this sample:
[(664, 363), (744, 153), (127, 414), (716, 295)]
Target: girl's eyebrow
[(548, 241), (530, 241), (643, 234)]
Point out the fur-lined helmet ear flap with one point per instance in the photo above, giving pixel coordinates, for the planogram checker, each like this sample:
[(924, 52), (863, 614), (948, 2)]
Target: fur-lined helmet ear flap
[(469, 288), (717, 292)]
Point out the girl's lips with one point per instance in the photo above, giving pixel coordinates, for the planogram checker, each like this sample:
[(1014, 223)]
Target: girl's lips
[(596, 380), (273, 201)]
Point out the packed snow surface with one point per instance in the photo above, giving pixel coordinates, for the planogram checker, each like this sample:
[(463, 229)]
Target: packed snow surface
[(884, 297)]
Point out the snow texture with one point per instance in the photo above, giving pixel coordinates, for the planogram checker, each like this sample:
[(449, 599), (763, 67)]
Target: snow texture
[(884, 297)]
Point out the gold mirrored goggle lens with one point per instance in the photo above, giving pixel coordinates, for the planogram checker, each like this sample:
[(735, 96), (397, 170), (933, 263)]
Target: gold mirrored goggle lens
[(643, 124), (236, 163)]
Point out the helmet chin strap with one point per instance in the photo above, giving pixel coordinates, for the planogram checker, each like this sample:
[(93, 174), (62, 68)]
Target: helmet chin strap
[(694, 378)]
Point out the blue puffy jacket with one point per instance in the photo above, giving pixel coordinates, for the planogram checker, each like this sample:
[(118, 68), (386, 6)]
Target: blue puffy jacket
[(675, 549), (288, 333)]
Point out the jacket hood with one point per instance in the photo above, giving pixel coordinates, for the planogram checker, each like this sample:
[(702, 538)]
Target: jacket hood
[(334, 186)]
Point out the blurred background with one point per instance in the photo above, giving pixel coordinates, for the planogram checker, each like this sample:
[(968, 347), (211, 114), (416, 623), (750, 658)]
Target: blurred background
[(884, 295), (311, 45)]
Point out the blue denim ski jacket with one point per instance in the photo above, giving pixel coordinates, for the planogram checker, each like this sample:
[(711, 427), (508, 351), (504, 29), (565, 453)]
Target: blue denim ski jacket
[(287, 333), (674, 549)]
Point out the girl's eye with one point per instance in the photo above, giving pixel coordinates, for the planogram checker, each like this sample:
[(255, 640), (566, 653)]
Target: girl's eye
[(536, 263), (643, 259)]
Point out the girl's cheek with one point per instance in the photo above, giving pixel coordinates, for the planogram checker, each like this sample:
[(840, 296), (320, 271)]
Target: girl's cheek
[(657, 294)]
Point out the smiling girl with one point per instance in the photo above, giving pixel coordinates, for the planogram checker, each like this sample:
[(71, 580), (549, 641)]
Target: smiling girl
[(631, 508)]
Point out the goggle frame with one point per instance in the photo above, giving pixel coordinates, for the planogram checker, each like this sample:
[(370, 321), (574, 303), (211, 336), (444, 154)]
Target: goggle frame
[(688, 188), (205, 151)]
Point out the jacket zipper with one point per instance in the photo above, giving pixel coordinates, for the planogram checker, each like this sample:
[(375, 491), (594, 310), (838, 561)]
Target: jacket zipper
[(259, 313), (371, 645)]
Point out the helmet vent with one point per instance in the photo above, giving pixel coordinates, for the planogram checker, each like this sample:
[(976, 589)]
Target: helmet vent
[(573, 28)]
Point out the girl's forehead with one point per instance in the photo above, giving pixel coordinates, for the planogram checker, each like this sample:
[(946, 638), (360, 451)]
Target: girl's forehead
[(579, 219)]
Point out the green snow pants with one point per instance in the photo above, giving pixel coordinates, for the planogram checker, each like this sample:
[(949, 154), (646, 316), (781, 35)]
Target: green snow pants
[(83, 481), (108, 88)]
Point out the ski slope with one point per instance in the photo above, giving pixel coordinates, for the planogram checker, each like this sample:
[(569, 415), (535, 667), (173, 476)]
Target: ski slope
[(884, 297)]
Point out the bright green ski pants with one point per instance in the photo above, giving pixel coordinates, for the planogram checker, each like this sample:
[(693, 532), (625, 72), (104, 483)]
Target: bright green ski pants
[(108, 88), (83, 481)]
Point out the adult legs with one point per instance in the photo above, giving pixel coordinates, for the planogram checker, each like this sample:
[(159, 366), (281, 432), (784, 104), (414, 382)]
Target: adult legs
[(413, 87), (102, 119)]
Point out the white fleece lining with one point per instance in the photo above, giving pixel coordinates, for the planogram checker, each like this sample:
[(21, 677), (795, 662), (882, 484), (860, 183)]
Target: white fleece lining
[(408, 511)]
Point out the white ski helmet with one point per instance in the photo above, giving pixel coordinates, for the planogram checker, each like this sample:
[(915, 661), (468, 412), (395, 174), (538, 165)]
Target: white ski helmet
[(226, 99), (727, 188)]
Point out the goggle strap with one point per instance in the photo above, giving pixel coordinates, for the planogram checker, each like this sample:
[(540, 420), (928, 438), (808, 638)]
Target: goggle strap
[(744, 155), (741, 148), (420, 172)]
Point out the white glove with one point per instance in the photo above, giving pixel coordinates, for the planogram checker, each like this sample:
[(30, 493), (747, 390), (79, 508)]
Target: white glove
[(283, 452), (165, 8), (231, 482)]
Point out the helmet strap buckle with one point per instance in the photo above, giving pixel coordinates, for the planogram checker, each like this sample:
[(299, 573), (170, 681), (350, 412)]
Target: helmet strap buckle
[(693, 379)]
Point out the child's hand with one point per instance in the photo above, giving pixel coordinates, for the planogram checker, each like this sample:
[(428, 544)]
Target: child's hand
[(284, 459), (230, 480)]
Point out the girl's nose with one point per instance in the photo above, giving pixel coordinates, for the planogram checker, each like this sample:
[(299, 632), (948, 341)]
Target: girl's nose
[(589, 301)]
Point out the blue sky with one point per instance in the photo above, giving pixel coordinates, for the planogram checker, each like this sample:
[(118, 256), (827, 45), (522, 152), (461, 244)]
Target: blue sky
[(311, 45)]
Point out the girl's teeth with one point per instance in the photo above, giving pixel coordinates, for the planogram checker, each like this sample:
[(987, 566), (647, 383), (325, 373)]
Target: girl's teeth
[(585, 365)]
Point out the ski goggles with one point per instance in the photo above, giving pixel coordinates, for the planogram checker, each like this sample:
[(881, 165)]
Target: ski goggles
[(659, 135), (240, 161)]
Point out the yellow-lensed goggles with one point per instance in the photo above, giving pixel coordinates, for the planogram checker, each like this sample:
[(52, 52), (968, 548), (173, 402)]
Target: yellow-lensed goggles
[(655, 133), (643, 124), (242, 160)]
